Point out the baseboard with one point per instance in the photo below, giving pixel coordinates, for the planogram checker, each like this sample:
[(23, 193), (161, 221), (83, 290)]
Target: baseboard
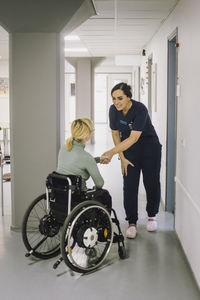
[(16, 229)]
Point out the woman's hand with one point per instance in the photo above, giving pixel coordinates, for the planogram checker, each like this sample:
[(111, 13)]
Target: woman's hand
[(124, 165), (104, 160), (106, 157)]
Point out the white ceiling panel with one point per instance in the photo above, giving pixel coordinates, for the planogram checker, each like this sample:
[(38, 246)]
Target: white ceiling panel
[(122, 26)]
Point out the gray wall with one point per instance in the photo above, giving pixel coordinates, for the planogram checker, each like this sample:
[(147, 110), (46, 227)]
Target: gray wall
[(34, 106)]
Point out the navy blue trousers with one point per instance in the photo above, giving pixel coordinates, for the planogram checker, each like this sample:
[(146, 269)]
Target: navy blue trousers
[(146, 157)]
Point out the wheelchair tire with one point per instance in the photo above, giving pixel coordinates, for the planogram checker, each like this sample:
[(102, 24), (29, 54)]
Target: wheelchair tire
[(86, 237), (122, 252), (35, 216)]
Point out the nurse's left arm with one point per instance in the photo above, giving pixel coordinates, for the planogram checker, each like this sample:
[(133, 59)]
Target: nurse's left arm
[(127, 143)]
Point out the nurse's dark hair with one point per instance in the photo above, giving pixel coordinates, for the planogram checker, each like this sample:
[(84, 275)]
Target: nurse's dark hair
[(124, 87)]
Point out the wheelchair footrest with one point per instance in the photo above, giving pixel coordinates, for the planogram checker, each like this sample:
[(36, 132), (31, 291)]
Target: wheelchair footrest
[(118, 238), (57, 263), (28, 253)]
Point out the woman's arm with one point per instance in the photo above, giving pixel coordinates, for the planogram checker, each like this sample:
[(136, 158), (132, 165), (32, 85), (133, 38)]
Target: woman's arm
[(122, 146), (93, 171), (127, 143), (117, 140), (124, 162)]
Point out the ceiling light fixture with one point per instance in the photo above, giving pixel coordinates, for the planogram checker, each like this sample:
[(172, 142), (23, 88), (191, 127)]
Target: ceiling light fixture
[(76, 50), (72, 38)]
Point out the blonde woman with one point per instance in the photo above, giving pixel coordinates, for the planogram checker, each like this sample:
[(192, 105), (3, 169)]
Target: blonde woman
[(74, 160)]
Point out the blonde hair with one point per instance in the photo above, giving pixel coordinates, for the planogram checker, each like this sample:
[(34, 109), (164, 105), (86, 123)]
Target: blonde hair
[(81, 129)]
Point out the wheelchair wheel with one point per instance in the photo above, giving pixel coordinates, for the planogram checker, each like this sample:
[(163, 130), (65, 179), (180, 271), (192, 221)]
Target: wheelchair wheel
[(86, 236), (40, 231), (122, 252)]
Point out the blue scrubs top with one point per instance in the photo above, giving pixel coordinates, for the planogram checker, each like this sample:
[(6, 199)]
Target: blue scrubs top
[(137, 118)]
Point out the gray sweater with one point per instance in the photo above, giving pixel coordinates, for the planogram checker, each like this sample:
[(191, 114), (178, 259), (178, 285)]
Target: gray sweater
[(79, 162)]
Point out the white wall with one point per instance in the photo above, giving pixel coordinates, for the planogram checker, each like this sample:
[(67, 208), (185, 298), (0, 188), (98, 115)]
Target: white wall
[(187, 211)]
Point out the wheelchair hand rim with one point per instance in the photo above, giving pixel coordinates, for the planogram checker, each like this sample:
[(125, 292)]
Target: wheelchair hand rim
[(69, 232)]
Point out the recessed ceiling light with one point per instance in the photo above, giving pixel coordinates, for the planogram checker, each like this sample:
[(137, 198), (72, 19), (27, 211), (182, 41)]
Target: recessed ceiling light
[(72, 38), (76, 49)]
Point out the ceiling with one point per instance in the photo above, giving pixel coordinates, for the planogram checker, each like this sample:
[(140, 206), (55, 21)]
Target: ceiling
[(122, 27)]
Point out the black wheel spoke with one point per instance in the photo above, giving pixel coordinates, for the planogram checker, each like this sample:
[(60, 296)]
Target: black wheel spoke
[(32, 232)]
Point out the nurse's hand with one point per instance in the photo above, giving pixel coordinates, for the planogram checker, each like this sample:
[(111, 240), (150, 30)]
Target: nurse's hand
[(107, 156), (104, 160), (124, 165)]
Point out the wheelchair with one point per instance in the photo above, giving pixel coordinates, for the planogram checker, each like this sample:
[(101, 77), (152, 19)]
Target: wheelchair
[(71, 222)]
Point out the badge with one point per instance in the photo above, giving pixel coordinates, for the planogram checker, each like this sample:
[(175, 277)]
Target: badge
[(130, 125), (122, 122)]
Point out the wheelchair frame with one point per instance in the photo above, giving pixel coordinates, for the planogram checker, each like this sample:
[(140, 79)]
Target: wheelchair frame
[(83, 234)]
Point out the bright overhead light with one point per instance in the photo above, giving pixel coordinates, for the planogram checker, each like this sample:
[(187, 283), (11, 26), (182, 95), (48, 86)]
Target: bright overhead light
[(72, 38), (76, 50)]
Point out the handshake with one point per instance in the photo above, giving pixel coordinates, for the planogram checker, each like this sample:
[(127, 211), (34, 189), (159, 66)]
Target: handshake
[(106, 157)]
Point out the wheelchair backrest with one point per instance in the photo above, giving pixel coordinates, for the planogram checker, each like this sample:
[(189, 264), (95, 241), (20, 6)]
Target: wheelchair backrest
[(60, 188)]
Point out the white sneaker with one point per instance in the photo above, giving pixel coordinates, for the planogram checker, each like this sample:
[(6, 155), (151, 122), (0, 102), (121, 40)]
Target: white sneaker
[(152, 225), (131, 232)]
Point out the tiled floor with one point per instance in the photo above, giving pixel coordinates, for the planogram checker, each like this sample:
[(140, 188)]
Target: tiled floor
[(156, 267)]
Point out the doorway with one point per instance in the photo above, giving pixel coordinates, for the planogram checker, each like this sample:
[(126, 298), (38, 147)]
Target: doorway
[(171, 123), (114, 79), (5, 175), (104, 82)]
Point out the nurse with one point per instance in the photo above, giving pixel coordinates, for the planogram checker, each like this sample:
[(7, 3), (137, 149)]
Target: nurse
[(139, 149)]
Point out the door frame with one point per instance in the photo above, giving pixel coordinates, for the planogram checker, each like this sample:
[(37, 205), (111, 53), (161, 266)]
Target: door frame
[(150, 61), (171, 126)]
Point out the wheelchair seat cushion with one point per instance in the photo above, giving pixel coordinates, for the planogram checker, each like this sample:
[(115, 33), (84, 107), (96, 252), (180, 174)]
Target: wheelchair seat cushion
[(100, 195)]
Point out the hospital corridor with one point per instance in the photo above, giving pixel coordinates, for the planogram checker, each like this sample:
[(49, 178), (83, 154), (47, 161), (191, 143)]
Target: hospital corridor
[(59, 61)]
